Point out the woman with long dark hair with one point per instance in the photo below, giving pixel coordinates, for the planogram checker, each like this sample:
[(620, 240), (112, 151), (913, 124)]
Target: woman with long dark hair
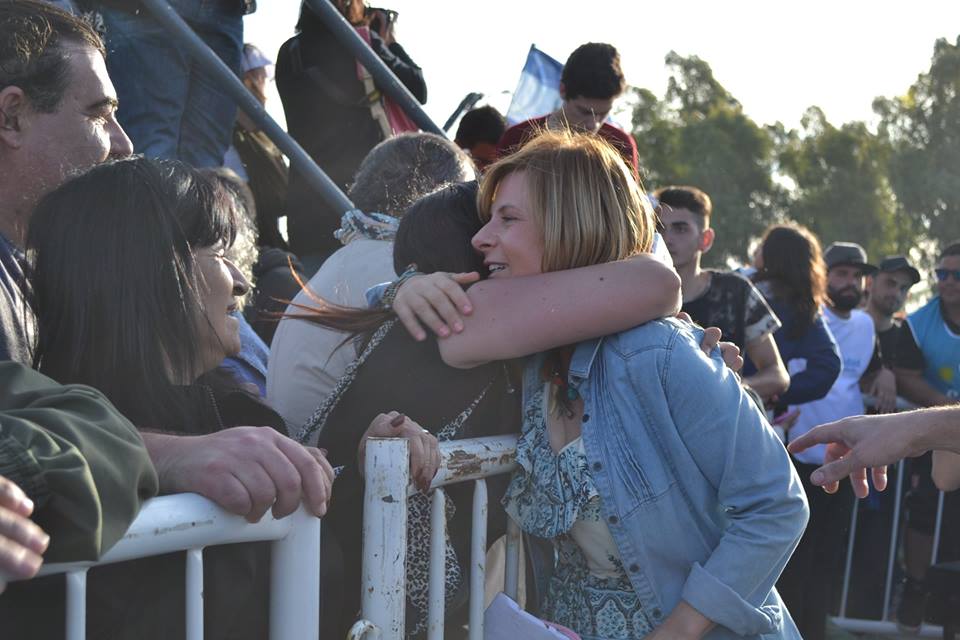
[(134, 296), (792, 276)]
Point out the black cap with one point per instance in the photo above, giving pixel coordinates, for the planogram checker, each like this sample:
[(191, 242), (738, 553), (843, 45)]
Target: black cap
[(900, 263), (848, 253)]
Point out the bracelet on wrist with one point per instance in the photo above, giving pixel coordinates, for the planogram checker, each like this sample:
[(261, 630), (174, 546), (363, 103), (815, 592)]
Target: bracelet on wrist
[(390, 293)]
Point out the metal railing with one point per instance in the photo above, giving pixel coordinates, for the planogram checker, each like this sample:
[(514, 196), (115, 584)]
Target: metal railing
[(300, 160), (385, 532), (386, 81), (189, 522), (886, 625)]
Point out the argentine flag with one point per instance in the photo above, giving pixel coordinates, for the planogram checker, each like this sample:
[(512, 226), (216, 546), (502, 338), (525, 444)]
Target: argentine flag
[(538, 92)]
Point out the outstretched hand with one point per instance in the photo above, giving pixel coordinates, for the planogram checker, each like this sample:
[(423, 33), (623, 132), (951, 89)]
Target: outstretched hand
[(437, 300), (856, 444)]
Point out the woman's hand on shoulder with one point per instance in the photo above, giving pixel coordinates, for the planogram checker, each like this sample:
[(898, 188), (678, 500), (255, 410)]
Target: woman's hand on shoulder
[(424, 447), (711, 339), (436, 300)]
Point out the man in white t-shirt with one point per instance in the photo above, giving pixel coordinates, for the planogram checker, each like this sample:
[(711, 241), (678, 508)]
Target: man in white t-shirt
[(806, 583), (306, 360)]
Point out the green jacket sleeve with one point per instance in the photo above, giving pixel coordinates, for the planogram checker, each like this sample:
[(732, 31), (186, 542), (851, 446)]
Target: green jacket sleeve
[(82, 463)]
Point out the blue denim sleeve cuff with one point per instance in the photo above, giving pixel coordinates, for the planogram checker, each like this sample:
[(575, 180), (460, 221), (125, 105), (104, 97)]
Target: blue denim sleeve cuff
[(724, 606), (375, 294)]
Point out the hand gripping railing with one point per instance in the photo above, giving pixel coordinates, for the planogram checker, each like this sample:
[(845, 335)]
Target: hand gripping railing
[(189, 522), (385, 532)]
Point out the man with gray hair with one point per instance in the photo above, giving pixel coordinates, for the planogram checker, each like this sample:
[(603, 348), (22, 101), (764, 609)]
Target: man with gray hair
[(306, 360)]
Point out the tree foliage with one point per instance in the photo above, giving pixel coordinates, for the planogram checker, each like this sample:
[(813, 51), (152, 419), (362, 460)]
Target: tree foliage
[(922, 129), (841, 189), (698, 135), (891, 191)]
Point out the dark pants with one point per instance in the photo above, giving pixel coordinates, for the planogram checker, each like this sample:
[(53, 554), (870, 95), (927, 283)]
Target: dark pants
[(169, 106), (809, 582)]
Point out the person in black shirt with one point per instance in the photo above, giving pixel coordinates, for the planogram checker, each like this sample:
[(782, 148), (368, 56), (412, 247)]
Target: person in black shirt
[(888, 289), (720, 299)]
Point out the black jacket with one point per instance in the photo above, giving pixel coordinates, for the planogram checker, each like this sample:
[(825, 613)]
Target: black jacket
[(328, 114)]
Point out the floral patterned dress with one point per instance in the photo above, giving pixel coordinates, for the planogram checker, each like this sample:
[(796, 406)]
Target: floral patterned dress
[(553, 496)]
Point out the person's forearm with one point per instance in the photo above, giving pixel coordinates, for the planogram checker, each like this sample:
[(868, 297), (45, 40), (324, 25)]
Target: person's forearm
[(918, 391), (515, 317), (163, 449), (934, 429), (946, 470), (769, 381)]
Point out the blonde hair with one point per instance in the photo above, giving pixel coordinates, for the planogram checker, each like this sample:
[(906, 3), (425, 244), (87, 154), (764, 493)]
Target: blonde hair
[(582, 194)]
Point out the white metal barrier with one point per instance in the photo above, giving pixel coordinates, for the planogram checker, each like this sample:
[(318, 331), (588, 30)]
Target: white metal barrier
[(887, 624), (385, 532), (385, 539), (189, 522)]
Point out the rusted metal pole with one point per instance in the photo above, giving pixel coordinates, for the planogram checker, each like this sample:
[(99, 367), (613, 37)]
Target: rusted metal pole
[(387, 473)]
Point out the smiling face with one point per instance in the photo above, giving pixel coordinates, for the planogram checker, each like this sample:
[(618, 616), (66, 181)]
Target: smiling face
[(512, 241), (949, 289), (220, 284)]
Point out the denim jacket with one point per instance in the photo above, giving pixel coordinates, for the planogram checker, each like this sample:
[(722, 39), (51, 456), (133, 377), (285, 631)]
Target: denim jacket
[(698, 492)]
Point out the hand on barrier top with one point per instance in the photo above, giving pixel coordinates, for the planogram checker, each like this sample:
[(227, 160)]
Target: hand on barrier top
[(436, 300), (22, 542), (424, 447), (245, 470)]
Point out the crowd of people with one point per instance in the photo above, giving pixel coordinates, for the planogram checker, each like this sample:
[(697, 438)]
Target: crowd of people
[(161, 334)]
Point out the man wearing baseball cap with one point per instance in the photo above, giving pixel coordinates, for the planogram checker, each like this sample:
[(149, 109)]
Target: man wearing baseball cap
[(887, 290), (807, 582)]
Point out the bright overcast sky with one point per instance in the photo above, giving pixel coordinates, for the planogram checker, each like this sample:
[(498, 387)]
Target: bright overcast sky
[(777, 58)]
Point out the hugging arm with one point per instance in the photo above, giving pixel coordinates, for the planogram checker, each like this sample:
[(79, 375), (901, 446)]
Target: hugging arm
[(765, 503), (514, 317)]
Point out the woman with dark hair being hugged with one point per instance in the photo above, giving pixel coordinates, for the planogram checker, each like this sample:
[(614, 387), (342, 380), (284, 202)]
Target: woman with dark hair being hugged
[(135, 297), (792, 276)]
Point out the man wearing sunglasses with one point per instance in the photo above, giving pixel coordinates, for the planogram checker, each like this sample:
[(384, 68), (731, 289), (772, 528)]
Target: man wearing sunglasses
[(927, 367), (928, 359)]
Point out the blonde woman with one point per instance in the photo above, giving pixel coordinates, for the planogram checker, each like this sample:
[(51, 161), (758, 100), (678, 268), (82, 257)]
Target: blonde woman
[(672, 505)]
